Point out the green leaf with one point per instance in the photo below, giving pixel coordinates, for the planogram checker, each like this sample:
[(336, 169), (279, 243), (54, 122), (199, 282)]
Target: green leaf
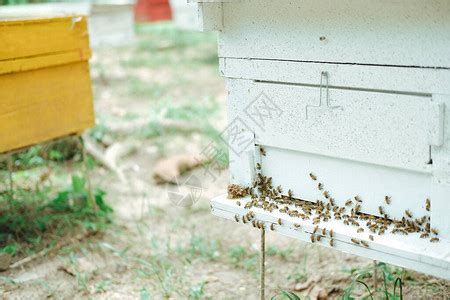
[(78, 184)]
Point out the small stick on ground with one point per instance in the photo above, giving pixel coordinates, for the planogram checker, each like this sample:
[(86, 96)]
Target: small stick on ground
[(59, 245), (375, 275)]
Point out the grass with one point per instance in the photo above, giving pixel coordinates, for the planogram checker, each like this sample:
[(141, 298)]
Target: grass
[(165, 45), (32, 219), (42, 206), (391, 286)]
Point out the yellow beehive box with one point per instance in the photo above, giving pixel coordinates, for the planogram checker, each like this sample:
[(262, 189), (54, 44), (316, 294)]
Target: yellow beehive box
[(45, 86)]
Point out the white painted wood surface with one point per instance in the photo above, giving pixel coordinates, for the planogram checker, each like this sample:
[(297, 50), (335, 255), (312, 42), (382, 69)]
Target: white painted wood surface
[(355, 91), (405, 251), (371, 32), (111, 24)]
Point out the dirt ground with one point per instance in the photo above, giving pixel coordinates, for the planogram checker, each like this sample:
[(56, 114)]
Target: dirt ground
[(156, 249)]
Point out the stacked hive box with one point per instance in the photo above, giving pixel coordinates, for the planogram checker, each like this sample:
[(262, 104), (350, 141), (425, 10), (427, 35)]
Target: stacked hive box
[(356, 93), (45, 87)]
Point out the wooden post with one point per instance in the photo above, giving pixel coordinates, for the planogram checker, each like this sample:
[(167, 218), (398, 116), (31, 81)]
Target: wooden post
[(262, 263)]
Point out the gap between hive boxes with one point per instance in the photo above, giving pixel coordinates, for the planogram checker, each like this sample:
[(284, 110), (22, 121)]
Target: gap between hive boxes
[(405, 251)]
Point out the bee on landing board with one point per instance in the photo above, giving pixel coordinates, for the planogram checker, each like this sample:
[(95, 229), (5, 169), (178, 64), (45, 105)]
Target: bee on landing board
[(365, 244), (408, 213), (313, 177), (355, 241)]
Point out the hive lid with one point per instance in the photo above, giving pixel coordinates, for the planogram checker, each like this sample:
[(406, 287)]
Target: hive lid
[(37, 43)]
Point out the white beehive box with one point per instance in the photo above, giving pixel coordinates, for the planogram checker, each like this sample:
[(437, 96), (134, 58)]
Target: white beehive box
[(356, 92), (184, 14), (111, 24)]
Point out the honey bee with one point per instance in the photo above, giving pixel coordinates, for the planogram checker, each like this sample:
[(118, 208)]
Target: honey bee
[(244, 220), (324, 231), (348, 202), (326, 194), (254, 223), (313, 177), (313, 238), (272, 226), (387, 199), (434, 231), (331, 242), (318, 238), (279, 189), (365, 244), (332, 202), (290, 193), (408, 213), (262, 151), (434, 240), (428, 204), (360, 230), (346, 222), (424, 235), (280, 222), (358, 199), (331, 232), (258, 166), (357, 208), (371, 237), (355, 241), (238, 203), (381, 210), (315, 229), (320, 186), (296, 225), (236, 217)]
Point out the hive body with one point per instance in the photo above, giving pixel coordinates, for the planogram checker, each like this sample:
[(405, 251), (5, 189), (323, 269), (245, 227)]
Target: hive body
[(355, 92)]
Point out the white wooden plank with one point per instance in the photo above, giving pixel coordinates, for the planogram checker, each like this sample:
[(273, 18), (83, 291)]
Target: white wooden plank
[(404, 251), (348, 31), (398, 79), (379, 128)]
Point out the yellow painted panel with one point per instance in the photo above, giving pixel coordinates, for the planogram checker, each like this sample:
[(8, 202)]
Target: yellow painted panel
[(43, 104), (36, 62), (27, 38)]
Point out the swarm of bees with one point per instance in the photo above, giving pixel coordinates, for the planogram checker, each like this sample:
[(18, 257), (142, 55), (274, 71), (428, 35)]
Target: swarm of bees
[(236, 191), (264, 195)]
